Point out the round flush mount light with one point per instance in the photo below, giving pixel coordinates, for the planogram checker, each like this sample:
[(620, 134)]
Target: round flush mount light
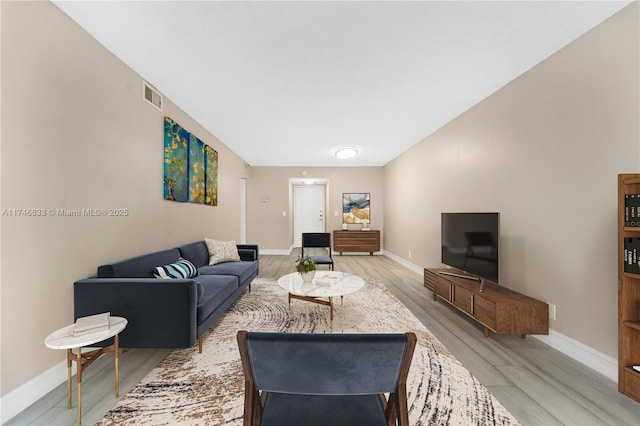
[(345, 152)]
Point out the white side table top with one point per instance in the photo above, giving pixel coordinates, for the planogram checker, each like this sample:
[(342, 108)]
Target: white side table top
[(341, 283), (64, 338)]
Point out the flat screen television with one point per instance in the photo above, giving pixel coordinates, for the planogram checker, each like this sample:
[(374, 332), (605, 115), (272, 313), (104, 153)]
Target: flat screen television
[(470, 243)]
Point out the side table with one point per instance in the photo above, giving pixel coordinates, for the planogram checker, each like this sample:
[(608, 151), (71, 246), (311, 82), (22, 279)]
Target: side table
[(64, 339)]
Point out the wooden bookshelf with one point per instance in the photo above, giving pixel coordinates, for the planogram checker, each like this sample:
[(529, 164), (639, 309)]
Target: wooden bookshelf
[(628, 297)]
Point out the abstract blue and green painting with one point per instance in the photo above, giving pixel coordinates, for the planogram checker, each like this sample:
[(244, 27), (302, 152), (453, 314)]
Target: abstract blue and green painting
[(211, 175), (190, 167), (176, 161), (196, 170)]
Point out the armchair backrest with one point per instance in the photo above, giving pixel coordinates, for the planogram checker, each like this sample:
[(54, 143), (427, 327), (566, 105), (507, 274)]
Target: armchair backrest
[(327, 364), (316, 239)]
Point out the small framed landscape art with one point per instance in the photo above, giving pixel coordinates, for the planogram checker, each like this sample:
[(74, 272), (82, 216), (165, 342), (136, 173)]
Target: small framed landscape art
[(356, 207)]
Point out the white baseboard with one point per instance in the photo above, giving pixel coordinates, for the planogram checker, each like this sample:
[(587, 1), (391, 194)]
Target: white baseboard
[(603, 364), (22, 397), (276, 252), (582, 353), (415, 268)]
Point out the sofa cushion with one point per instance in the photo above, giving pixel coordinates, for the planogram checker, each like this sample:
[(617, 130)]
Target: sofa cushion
[(222, 251), (217, 288), (242, 269), (138, 266), (181, 269), (196, 253)]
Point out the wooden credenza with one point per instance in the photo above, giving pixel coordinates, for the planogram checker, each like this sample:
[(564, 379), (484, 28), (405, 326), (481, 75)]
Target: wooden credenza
[(356, 241), (497, 308)]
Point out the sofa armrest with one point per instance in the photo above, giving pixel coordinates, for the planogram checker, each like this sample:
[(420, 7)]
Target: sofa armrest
[(248, 251), (160, 313)]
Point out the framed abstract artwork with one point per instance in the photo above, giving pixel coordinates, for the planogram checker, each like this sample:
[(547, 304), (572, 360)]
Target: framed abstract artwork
[(211, 176), (356, 207), (176, 161), (196, 170), (190, 167)]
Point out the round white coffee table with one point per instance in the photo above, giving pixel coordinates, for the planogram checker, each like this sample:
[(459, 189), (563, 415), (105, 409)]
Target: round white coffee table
[(326, 284), (65, 339)]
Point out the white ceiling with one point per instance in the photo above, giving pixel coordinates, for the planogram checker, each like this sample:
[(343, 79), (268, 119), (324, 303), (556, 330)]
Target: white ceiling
[(285, 83)]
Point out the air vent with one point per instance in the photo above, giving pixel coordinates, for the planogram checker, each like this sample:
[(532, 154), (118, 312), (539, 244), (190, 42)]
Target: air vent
[(151, 95)]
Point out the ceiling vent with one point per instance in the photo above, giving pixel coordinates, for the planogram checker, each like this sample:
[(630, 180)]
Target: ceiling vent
[(151, 95)]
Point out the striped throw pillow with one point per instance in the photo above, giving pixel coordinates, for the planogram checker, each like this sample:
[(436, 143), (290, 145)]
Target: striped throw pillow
[(181, 269)]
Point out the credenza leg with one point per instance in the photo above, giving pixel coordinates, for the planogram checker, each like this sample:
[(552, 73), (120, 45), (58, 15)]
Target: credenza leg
[(486, 332)]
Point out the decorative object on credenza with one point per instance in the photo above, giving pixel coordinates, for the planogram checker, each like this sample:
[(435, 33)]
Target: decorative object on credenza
[(356, 207), (190, 167), (365, 225), (306, 267)]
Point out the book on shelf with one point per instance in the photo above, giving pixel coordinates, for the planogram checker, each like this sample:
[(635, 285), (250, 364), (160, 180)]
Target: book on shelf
[(91, 324), (632, 255), (632, 210)]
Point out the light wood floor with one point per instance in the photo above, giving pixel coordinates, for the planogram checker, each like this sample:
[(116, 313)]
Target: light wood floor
[(537, 384)]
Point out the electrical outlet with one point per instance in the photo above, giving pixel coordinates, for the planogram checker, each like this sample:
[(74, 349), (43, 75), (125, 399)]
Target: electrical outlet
[(552, 311)]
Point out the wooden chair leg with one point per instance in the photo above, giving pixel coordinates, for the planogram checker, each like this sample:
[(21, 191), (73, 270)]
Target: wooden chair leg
[(200, 345)]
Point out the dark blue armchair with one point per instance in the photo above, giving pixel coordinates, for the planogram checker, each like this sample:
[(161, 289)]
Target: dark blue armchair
[(325, 379)]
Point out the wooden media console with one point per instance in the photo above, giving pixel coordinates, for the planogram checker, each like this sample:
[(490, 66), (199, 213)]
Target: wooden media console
[(497, 308)]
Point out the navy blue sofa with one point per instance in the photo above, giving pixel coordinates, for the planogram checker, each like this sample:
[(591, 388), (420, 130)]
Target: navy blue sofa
[(166, 313)]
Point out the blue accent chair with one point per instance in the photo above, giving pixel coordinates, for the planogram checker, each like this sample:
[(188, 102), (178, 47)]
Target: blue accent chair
[(325, 379), (318, 240)]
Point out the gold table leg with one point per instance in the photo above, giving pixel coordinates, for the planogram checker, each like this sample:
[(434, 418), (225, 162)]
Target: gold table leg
[(331, 312), (116, 343), (69, 355), (79, 381)]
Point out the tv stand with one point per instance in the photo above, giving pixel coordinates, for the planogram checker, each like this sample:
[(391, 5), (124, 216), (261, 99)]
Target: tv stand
[(497, 308)]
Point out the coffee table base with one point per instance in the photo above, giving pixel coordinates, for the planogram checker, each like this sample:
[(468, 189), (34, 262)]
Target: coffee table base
[(328, 303)]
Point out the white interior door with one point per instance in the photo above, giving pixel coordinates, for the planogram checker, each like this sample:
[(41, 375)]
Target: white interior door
[(308, 211)]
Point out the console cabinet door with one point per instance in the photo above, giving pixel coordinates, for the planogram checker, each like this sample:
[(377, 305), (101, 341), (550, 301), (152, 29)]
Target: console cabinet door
[(485, 311), (463, 299), (443, 289)]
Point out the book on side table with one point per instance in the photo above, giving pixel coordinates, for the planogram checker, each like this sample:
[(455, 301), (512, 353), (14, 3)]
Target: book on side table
[(91, 324)]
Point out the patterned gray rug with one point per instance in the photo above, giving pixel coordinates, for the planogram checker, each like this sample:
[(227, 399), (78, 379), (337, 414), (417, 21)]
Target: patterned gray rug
[(188, 388)]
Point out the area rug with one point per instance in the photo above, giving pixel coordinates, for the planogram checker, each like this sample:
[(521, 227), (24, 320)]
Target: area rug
[(191, 388)]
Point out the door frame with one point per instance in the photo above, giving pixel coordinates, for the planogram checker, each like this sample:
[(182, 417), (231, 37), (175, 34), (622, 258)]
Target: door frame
[(294, 182)]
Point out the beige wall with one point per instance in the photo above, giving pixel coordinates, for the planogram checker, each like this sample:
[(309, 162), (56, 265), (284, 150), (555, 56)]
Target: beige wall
[(272, 231), (544, 151), (76, 134)]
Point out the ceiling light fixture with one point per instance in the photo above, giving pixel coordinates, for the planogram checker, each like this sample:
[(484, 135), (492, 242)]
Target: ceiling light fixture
[(345, 152)]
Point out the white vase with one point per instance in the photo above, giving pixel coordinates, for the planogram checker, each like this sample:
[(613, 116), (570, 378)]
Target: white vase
[(307, 277)]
